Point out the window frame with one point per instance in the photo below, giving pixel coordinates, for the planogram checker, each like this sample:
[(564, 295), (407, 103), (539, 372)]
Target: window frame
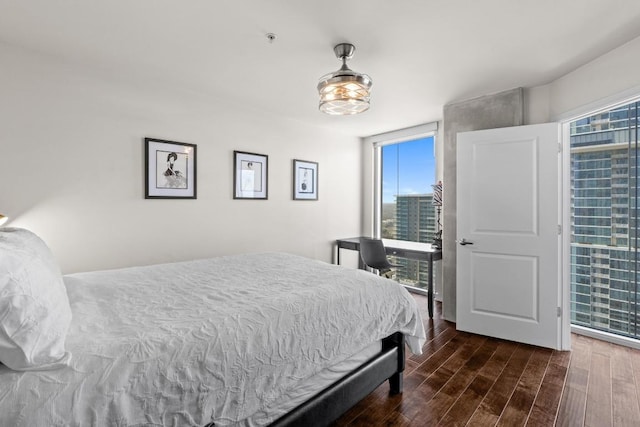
[(394, 137)]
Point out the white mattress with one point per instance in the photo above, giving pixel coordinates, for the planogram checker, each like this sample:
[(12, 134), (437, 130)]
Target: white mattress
[(222, 340), (311, 386)]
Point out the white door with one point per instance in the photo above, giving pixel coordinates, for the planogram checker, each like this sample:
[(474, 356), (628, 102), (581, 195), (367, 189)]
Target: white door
[(508, 266)]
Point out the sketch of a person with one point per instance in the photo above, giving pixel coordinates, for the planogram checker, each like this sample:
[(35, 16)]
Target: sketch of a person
[(174, 178), (171, 159)]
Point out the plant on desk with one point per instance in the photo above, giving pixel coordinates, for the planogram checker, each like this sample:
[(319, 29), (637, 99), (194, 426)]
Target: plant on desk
[(437, 202)]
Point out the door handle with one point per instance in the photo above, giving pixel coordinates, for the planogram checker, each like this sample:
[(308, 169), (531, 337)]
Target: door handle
[(464, 242)]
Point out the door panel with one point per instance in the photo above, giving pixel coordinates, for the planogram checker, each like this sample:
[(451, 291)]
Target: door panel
[(498, 190), (518, 298), (508, 276)]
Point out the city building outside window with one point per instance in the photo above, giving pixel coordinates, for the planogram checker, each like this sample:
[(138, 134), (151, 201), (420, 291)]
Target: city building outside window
[(407, 211), (604, 215)]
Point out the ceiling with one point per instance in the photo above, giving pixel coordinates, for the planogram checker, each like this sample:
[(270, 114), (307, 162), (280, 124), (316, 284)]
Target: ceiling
[(421, 54)]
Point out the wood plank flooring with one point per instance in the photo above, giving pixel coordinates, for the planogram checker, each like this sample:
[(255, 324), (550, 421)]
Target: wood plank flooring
[(463, 379)]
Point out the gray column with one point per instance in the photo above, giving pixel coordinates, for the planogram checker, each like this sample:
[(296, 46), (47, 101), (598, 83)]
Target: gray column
[(498, 110)]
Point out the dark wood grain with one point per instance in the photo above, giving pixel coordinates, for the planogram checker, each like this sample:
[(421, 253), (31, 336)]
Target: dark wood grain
[(463, 379), (517, 410), (464, 367), (546, 404), (461, 411), (488, 413)]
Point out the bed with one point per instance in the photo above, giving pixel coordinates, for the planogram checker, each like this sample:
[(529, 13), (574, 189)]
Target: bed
[(255, 339)]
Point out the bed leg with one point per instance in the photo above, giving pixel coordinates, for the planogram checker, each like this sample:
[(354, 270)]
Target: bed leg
[(396, 341), (395, 383)]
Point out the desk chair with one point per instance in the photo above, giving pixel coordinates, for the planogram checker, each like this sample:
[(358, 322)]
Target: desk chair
[(374, 256)]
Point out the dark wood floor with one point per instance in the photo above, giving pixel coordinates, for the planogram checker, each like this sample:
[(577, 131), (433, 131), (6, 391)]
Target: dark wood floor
[(463, 379)]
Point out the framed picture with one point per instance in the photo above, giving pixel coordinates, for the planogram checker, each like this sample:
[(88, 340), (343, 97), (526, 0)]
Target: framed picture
[(250, 175), (305, 180), (170, 169)]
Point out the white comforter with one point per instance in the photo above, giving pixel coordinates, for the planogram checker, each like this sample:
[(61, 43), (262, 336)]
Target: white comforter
[(209, 340)]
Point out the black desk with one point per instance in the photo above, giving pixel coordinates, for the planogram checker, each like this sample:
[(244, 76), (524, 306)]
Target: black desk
[(403, 249)]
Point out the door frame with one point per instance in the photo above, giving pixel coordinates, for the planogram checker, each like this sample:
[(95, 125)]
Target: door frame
[(564, 297)]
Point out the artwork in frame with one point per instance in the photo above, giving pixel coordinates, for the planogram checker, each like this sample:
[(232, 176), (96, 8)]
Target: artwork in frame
[(250, 174), (170, 169), (305, 180)]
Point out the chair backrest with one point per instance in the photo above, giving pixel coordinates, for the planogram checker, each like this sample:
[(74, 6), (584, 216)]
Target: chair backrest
[(373, 253)]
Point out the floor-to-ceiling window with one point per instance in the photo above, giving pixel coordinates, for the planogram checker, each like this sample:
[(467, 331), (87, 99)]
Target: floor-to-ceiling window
[(604, 215), (407, 207)]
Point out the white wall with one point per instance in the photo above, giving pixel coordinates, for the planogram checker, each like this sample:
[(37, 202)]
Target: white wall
[(72, 170), (536, 105), (610, 78), (607, 79)]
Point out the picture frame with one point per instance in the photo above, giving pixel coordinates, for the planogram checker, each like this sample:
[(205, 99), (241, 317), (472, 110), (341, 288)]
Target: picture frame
[(305, 180), (170, 169), (250, 175)]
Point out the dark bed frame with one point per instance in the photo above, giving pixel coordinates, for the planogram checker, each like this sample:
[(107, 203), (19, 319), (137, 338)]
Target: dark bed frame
[(328, 405)]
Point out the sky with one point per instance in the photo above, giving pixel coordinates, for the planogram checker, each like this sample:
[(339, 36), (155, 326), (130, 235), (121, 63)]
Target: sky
[(408, 168)]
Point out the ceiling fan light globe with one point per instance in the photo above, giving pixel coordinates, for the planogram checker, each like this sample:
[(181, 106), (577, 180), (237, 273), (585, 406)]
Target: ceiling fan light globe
[(344, 92)]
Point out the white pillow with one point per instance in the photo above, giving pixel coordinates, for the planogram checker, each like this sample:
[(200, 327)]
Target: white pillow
[(34, 308)]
